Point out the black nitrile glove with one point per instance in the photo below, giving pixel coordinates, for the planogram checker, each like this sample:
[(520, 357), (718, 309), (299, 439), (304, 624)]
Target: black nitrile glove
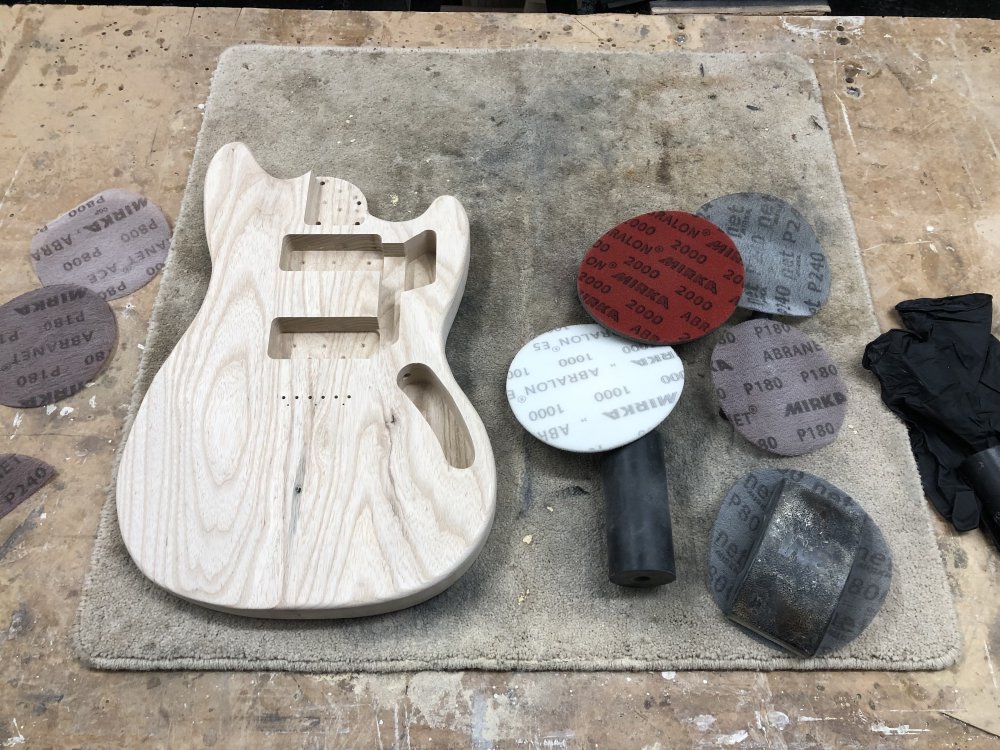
[(942, 378)]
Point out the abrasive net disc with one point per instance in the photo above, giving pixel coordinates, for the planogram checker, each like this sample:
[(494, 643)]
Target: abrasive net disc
[(112, 243), (837, 598), (778, 387), (786, 268)]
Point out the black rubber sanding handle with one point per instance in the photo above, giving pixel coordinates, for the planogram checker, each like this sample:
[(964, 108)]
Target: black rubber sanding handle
[(640, 538), (982, 470)]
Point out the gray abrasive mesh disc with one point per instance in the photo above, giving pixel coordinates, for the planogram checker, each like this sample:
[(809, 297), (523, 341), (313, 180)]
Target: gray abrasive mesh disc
[(786, 268), (797, 561), (112, 243), (581, 388), (53, 340), (777, 387), (20, 478)]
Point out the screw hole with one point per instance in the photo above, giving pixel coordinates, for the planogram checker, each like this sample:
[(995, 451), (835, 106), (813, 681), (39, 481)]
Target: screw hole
[(296, 398), (357, 223), (348, 395), (322, 182), (849, 79), (283, 398), (840, 28)]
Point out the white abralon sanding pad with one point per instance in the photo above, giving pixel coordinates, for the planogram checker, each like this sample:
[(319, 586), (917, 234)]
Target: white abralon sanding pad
[(581, 388)]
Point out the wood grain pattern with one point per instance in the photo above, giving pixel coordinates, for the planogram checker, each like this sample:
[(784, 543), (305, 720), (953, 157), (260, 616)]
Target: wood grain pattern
[(901, 133), (305, 450)]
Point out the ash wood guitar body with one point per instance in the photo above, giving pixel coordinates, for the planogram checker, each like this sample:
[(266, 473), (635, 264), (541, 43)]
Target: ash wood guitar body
[(305, 450)]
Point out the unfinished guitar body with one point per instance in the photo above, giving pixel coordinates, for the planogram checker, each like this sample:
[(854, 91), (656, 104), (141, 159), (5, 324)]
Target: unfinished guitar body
[(305, 450)]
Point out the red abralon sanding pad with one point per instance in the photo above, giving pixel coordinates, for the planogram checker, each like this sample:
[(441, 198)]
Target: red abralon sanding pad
[(662, 278), (786, 269)]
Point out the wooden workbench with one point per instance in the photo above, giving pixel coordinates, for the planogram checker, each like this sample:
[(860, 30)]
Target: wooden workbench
[(99, 97)]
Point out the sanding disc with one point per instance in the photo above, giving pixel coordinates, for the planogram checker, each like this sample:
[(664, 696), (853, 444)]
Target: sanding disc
[(20, 477), (583, 389), (786, 268), (662, 278), (53, 340), (741, 529), (112, 243), (778, 387)]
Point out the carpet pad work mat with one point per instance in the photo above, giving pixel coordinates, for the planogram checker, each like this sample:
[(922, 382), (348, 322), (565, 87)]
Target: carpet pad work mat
[(546, 150)]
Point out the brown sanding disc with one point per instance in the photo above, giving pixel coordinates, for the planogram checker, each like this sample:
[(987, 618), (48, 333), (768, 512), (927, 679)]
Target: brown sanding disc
[(20, 478), (113, 243), (778, 387), (53, 340), (662, 278)]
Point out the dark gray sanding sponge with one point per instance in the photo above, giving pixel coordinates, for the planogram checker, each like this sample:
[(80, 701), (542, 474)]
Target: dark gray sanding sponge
[(797, 561), (786, 268), (778, 387)]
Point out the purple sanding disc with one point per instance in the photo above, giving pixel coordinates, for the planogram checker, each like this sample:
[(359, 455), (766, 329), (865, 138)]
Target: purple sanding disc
[(113, 243), (786, 268), (778, 387), (20, 478), (53, 341)]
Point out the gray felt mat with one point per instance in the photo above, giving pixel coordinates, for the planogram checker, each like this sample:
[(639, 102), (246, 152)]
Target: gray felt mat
[(546, 150)]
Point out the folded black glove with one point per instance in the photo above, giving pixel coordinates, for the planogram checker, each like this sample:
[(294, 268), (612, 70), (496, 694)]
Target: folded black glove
[(942, 378)]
